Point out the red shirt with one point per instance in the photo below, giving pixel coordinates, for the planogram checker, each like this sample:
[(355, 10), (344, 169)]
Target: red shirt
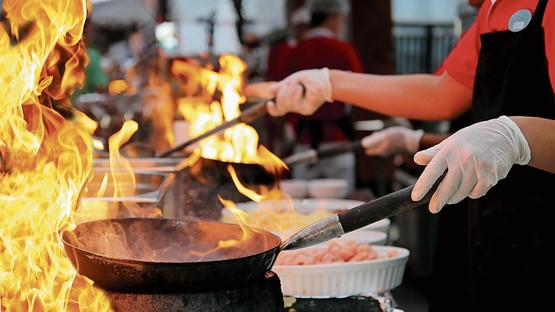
[(275, 70), (319, 49), (494, 16)]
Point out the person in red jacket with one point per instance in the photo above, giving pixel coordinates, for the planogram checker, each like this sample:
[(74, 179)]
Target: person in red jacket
[(321, 47)]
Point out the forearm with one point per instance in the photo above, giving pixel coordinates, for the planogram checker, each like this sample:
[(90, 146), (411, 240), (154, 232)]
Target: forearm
[(540, 134), (419, 96)]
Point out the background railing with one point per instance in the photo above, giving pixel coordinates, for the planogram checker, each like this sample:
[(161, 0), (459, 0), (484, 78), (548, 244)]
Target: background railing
[(421, 48)]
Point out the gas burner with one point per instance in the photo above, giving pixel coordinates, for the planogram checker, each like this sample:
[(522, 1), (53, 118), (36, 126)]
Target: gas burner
[(264, 296)]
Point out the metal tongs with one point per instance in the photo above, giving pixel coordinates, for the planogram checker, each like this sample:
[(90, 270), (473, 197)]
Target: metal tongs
[(249, 115), (313, 155)]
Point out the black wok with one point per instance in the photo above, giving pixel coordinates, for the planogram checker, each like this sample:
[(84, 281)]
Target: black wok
[(163, 255), (179, 265)]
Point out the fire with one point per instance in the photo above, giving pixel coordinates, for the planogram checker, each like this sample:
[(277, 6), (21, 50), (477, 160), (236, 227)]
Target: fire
[(118, 86), (46, 152), (117, 184), (214, 98), (238, 144)]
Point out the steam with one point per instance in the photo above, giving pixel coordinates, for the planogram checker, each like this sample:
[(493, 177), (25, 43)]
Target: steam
[(170, 241)]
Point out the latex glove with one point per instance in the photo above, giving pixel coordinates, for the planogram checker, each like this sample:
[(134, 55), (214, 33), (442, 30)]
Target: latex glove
[(302, 92), (259, 90), (475, 157), (392, 140)]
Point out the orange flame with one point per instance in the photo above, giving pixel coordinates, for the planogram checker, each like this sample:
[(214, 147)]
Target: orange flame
[(47, 158), (214, 98), (238, 144), (118, 86)]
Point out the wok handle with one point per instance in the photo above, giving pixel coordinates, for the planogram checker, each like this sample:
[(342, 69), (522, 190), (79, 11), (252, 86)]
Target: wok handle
[(331, 150), (383, 207)]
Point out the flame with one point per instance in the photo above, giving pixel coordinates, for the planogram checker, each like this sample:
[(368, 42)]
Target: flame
[(117, 86), (201, 108), (46, 154), (242, 220), (212, 99), (116, 185)]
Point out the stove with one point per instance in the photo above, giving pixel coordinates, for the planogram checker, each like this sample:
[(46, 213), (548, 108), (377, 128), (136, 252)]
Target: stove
[(348, 304), (262, 296), (196, 190)]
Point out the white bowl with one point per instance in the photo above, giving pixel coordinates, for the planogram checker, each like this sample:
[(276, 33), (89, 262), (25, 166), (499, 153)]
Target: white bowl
[(296, 188), (327, 188), (381, 225), (365, 237), (310, 205), (373, 238), (344, 279)]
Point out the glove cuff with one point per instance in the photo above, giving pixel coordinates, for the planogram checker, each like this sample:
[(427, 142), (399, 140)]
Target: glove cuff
[(412, 140), (519, 142), (327, 84)]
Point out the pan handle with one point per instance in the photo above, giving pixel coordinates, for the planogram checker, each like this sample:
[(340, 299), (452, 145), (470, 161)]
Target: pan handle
[(383, 207), (354, 218), (331, 150)]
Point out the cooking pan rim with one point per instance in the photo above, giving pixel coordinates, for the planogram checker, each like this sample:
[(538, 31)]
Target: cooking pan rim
[(163, 263)]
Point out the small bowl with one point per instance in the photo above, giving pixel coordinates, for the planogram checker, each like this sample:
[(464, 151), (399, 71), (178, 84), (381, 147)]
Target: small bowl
[(327, 188), (365, 237), (344, 279), (296, 188)]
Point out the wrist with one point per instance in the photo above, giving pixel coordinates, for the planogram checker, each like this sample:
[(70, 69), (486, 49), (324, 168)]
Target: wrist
[(328, 89), (412, 140), (518, 141)]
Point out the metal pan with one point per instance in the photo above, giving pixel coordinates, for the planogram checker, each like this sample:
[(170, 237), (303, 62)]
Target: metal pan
[(163, 255), (179, 264)]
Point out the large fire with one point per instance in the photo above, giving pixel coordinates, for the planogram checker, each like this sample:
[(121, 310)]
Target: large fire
[(46, 149), (46, 152)]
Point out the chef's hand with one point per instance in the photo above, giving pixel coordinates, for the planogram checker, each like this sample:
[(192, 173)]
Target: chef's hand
[(475, 157), (302, 92), (259, 90), (392, 140)]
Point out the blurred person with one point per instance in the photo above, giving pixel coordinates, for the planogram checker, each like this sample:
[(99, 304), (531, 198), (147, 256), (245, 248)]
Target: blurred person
[(503, 70), (299, 20), (447, 282), (320, 46), (281, 136)]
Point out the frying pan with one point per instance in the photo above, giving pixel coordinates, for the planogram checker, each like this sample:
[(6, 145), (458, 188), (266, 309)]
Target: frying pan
[(167, 255)]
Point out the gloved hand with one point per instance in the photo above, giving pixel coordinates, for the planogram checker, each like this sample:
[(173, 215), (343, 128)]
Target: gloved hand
[(302, 92), (392, 140), (475, 157)]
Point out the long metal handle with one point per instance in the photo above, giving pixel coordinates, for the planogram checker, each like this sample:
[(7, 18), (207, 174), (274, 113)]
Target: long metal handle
[(332, 150), (249, 115), (383, 207), (339, 224), (313, 155)]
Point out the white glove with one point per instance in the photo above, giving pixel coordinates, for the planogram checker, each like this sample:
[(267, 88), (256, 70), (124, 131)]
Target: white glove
[(392, 140), (302, 92), (475, 157)]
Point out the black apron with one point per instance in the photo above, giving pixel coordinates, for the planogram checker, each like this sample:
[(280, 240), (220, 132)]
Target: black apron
[(510, 229)]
